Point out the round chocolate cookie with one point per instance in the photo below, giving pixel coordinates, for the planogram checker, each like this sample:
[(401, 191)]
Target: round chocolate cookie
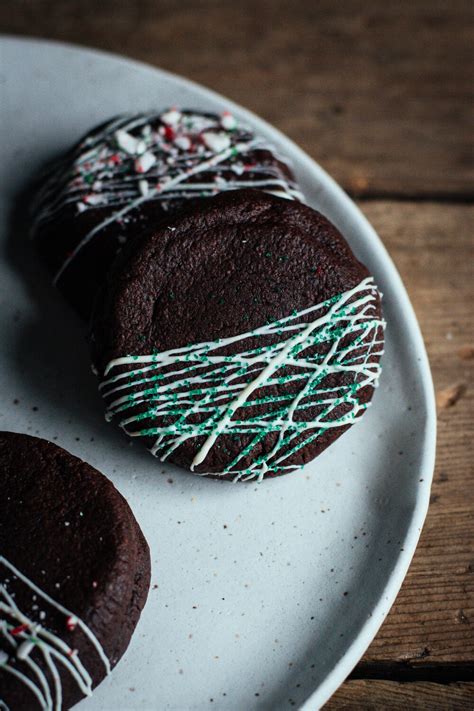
[(134, 170), (239, 339), (74, 575)]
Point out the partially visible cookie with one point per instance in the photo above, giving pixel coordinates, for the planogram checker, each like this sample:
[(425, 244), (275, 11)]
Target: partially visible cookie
[(130, 172), (240, 338), (74, 575)]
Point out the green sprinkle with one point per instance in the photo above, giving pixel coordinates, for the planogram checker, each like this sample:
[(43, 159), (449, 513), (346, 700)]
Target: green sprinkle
[(203, 385)]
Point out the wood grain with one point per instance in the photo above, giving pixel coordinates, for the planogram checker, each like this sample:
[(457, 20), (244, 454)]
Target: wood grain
[(379, 93), (376, 695), (432, 620)]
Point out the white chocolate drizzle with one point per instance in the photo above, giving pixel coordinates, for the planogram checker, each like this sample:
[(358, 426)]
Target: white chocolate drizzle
[(29, 641), (172, 149), (332, 350)]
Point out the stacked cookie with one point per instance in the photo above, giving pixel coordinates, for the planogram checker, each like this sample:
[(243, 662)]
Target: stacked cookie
[(234, 332), (238, 339), (129, 173)]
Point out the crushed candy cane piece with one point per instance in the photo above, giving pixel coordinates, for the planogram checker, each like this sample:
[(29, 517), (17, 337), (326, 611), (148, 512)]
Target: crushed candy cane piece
[(71, 623), (19, 629), (171, 117), (128, 143), (216, 141), (93, 199), (145, 162), (183, 142), (228, 121), (169, 133)]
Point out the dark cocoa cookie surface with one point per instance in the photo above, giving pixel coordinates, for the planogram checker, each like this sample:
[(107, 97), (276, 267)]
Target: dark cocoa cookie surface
[(129, 173), (240, 339), (74, 575)]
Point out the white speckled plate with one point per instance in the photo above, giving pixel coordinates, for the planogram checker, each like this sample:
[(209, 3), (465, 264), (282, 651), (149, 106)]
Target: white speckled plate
[(263, 596)]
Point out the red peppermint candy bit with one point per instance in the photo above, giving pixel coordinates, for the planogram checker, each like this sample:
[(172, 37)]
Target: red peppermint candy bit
[(169, 133), (71, 623), (19, 629), (115, 159)]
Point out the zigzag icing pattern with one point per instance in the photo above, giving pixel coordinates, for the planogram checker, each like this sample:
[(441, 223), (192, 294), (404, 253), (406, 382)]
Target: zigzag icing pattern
[(24, 636), (157, 157), (159, 395)]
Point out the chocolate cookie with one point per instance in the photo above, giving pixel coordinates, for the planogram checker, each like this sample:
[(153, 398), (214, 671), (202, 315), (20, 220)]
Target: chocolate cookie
[(74, 575), (240, 338), (132, 171)]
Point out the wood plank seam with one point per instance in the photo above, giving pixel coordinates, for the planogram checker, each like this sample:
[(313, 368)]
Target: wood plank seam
[(439, 673)]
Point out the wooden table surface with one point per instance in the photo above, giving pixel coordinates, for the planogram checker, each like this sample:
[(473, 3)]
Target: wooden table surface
[(381, 95)]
